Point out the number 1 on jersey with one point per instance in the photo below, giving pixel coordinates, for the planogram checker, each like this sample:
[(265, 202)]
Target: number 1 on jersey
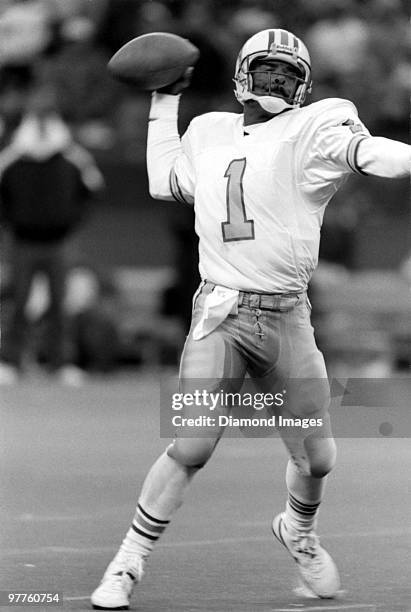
[(237, 226)]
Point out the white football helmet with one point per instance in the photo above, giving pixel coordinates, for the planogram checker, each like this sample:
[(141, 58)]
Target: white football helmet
[(279, 45)]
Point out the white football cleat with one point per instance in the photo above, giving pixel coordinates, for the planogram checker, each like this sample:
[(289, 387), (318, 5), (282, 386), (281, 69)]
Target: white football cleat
[(316, 567), (120, 577)]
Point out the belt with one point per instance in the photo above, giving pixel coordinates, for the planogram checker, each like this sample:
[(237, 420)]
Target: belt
[(264, 301), (269, 301)]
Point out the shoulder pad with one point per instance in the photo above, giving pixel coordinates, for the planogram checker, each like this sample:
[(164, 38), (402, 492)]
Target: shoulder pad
[(330, 109), (214, 118)]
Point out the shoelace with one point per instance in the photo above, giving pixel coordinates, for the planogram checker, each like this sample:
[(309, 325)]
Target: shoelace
[(306, 544), (116, 582), (132, 565)]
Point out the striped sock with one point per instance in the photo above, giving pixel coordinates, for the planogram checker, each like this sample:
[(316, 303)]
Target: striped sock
[(144, 532), (300, 515)]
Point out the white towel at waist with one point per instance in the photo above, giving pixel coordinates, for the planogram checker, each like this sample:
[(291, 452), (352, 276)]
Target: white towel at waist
[(217, 306)]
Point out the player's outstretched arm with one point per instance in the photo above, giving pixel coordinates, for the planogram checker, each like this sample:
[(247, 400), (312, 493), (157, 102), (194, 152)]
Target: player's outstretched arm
[(384, 157), (163, 140)]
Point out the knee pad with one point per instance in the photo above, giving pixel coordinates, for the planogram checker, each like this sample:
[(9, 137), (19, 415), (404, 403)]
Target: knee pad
[(191, 452), (321, 454)]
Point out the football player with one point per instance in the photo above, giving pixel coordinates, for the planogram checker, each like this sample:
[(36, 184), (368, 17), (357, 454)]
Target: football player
[(259, 182)]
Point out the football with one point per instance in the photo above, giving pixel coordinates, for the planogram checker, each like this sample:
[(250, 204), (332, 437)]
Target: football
[(154, 60)]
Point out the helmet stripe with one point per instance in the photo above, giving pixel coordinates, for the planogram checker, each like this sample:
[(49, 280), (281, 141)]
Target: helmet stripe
[(271, 38), (295, 41), (284, 38)]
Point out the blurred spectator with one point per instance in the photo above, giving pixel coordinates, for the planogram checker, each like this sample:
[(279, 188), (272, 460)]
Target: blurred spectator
[(154, 16), (390, 84), (26, 30), (119, 24), (91, 307), (45, 180), (92, 304), (86, 92), (359, 49), (210, 77), (338, 45), (247, 21)]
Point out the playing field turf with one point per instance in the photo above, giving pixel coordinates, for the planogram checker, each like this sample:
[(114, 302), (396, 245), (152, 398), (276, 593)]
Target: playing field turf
[(72, 461)]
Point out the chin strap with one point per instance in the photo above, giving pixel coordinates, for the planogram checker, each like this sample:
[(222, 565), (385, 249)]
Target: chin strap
[(273, 105), (270, 104)]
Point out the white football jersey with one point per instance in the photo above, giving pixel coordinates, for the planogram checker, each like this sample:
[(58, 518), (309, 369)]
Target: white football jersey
[(260, 192)]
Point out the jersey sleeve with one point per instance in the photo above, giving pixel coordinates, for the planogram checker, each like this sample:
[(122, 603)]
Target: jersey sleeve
[(333, 144), (384, 157), (169, 159), (182, 175)]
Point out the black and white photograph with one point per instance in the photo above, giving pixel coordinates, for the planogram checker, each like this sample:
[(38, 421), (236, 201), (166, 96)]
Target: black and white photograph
[(205, 305)]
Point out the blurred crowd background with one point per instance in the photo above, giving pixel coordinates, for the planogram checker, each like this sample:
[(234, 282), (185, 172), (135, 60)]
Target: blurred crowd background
[(133, 260)]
